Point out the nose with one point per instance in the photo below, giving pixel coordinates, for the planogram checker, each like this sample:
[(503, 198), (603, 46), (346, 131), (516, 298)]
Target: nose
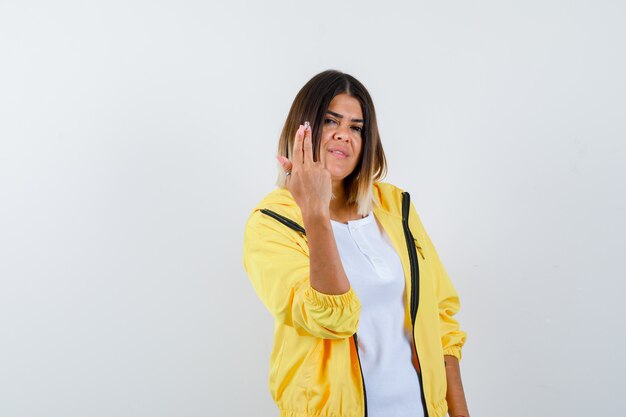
[(342, 133)]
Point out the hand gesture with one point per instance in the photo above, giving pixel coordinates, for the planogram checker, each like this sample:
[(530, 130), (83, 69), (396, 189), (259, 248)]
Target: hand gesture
[(308, 181)]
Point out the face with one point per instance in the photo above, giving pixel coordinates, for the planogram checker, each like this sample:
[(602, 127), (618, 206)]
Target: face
[(341, 137)]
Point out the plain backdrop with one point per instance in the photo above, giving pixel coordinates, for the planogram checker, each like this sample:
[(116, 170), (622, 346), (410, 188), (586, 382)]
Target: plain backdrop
[(137, 136)]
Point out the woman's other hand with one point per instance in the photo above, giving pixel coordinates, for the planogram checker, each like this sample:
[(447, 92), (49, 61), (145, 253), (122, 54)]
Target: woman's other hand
[(310, 182)]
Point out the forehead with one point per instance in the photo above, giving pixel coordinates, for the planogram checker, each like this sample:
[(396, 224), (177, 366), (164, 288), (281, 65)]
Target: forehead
[(346, 106)]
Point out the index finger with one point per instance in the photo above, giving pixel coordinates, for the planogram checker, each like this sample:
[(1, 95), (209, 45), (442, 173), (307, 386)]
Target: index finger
[(308, 144), (297, 158)]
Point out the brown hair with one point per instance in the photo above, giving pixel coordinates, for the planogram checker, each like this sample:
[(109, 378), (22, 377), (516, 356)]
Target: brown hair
[(311, 103)]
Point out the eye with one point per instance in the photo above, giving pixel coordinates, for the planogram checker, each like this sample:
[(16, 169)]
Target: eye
[(327, 121), (358, 129)]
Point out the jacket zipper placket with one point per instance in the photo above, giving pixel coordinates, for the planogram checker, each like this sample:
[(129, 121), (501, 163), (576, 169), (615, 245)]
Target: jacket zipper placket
[(415, 278), (358, 358)]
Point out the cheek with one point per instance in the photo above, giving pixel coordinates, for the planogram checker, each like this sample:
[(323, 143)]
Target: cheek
[(324, 138), (323, 144)]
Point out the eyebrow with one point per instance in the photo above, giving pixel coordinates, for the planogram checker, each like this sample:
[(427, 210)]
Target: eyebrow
[(340, 116)]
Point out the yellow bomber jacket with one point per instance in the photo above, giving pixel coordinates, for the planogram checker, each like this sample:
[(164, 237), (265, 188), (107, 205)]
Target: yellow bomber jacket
[(314, 365)]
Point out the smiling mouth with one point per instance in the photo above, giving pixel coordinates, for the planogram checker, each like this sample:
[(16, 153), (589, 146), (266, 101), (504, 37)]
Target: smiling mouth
[(338, 154)]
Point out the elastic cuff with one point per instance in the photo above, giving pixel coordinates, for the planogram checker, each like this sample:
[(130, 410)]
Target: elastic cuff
[(453, 351), (328, 300)]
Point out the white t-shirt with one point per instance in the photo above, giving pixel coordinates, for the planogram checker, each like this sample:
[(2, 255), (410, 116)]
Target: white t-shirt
[(376, 275)]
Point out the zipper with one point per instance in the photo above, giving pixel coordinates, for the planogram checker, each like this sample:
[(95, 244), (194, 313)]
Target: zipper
[(284, 220), (356, 346), (415, 277)]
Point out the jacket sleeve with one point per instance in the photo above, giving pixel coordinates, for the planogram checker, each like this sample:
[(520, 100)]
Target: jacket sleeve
[(452, 337), (278, 268)]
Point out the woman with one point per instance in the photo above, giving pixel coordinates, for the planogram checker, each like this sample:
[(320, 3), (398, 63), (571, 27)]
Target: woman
[(363, 307)]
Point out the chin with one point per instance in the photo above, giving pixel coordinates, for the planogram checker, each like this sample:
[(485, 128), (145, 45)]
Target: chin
[(337, 171), (337, 174)]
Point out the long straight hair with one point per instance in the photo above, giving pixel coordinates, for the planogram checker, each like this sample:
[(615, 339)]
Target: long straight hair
[(311, 103)]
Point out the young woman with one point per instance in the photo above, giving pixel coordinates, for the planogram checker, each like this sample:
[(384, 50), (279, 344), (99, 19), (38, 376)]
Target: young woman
[(363, 306)]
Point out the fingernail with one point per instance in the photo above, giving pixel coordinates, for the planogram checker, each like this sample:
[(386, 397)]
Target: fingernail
[(307, 126), (301, 130)]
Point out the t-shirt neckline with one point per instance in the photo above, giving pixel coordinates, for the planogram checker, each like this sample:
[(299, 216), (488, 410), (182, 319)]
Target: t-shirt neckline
[(357, 222)]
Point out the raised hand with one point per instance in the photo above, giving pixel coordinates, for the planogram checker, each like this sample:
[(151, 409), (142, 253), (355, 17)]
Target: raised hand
[(310, 183)]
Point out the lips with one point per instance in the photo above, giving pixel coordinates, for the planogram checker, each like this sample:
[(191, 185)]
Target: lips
[(339, 153)]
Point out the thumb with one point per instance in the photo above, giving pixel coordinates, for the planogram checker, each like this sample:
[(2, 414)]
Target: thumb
[(284, 162)]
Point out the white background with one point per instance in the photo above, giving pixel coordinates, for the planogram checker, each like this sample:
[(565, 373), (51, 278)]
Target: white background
[(136, 136)]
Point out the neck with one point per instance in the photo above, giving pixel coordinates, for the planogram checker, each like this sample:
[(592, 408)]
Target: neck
[(339, 208), (339, 194)]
